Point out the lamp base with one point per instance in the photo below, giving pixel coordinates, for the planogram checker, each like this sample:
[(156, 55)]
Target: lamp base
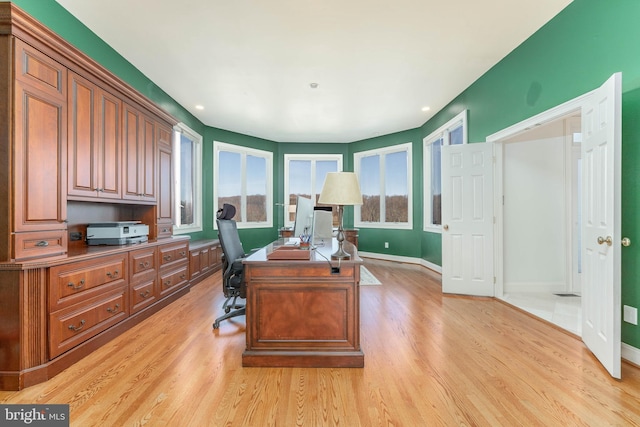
[(340, 253)]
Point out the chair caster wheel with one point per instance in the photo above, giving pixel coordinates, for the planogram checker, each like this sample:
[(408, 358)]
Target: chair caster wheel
[(216, 325)]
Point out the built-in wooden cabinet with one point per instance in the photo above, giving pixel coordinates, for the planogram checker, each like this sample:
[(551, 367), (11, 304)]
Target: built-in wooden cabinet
[(205, 257), (77, 145), (139, 160), (94, 142), (39, 166)]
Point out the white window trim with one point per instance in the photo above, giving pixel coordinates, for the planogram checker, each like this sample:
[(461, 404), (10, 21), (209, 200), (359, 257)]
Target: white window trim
[(442, 132), (196, 226), (305, 157), (244, 151), (382, 152)]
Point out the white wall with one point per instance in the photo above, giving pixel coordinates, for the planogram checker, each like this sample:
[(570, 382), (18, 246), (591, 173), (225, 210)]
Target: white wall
[(535, 211)]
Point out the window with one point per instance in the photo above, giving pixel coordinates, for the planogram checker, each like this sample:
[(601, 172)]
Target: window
[(304, 175), (187, 161), (385, 181), (243, 178), (451, 133)]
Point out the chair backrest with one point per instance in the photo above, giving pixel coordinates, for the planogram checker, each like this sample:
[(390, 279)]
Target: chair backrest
[(230, 239)]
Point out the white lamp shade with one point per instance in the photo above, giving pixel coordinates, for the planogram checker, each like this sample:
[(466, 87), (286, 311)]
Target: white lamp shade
[(341, 188)]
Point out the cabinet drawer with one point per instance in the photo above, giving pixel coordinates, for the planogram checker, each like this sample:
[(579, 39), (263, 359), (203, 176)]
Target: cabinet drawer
[(143, 294), (73, 325), (72, 283), (173, 253), (141, 261), (173, 280), (164, 230), (39, 244)]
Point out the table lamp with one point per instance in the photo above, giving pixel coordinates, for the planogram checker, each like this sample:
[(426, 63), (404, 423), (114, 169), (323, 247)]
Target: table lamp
[(340, 188)]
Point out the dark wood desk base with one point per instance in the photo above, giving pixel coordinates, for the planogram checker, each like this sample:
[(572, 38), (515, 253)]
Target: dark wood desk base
[(303, 313)]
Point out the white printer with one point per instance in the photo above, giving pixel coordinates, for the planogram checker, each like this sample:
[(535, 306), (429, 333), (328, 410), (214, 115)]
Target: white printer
[(117, 233)]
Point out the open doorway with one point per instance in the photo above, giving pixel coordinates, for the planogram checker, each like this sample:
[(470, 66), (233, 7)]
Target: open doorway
[(541, 221)]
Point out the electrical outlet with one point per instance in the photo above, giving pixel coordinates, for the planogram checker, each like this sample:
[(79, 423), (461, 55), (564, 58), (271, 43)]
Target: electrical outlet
[(386, 245), (630, 315)]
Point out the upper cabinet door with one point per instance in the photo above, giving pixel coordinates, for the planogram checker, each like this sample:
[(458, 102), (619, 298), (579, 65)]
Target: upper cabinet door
[(95, 143), (40, 124), (139, 156)]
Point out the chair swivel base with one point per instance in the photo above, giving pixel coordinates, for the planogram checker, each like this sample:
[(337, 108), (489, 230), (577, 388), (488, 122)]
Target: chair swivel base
[(229, 315)]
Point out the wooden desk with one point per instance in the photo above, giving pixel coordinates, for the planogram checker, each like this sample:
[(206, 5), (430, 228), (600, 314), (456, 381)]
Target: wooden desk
[(303, 313)]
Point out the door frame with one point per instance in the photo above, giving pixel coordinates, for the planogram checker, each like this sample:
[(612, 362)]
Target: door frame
[(555, 113)]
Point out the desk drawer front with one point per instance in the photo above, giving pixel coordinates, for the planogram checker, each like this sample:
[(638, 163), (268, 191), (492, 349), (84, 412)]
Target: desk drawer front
[(73, 325), (71, 283)]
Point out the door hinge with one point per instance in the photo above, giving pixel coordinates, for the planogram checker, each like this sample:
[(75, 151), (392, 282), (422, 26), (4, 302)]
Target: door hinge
[(494, 280)]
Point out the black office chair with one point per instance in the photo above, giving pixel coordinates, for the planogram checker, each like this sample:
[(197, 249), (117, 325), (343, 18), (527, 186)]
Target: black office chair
[(233, 285)]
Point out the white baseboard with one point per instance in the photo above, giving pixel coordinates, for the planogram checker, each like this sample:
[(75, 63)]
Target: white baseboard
[(631, 354), (408, 260)]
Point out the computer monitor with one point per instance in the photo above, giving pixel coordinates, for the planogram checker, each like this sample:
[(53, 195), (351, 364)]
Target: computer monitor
[(304, 217)]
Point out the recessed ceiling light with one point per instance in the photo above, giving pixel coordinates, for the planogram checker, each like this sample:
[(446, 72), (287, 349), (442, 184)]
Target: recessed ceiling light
[(313, 85), (199, 107), (426, 108)]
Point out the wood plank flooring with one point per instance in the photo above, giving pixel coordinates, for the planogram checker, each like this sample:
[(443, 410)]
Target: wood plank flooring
[(430, 360)]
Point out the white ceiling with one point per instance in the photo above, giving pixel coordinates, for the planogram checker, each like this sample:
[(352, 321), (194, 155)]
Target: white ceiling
[(376, 63)]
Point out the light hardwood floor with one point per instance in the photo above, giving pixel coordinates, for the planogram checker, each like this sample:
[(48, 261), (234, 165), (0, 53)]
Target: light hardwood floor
[(430, 360)]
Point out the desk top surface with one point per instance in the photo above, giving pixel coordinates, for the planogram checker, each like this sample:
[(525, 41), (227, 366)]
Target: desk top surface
[(319, 253)]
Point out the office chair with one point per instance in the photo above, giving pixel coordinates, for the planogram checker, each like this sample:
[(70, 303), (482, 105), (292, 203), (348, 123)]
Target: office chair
[(233, 285)]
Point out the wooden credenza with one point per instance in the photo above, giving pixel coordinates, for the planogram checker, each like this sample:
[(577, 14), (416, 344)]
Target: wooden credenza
[(303, 313), (54, 312)]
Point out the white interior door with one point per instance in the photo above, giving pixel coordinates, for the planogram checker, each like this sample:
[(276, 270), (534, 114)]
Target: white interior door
[(467, 219), (601, 124)]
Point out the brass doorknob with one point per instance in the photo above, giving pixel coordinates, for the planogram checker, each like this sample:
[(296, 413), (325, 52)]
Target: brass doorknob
[(626, 242), (608, 240)]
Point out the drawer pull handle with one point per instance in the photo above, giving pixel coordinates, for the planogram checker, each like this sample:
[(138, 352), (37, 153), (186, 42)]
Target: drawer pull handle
[(145, 294), (80, 285), (167, 283), (77, 328), (183, 253), (114, 274), (183, 276), (167, 257), (42, 243), (165, 230), (114, 309), (144, 264)]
